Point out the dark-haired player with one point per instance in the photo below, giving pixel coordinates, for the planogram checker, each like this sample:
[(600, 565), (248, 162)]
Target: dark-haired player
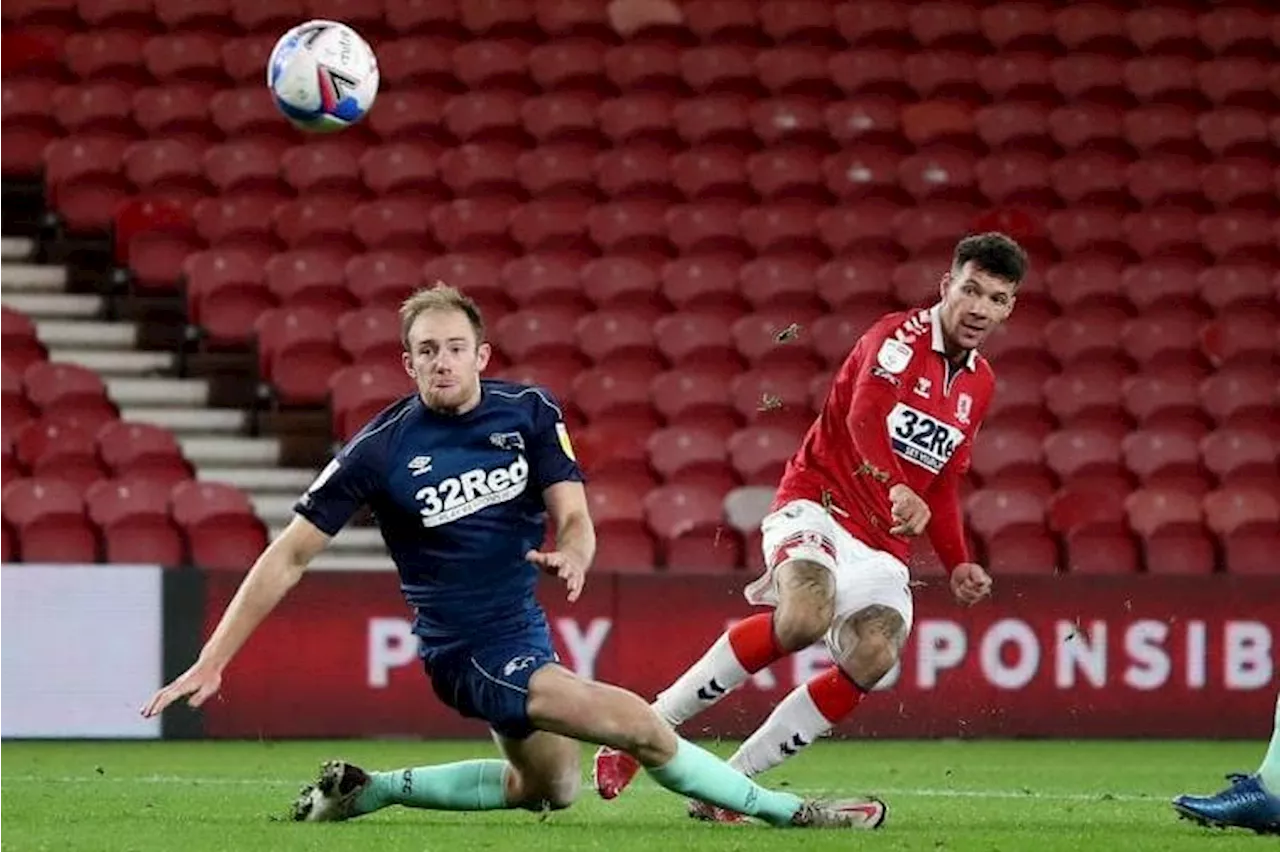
[(883, 462), (460, 477)]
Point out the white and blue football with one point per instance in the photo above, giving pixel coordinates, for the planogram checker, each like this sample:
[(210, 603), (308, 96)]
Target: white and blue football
[(323, 76)]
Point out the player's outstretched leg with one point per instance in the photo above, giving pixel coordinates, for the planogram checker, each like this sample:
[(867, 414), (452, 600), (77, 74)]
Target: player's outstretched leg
[(542, 771), (560, 701), (1251, 801), (806, 597)]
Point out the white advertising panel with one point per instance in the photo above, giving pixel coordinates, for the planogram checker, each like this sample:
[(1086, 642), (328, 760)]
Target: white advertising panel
[(80, 650)]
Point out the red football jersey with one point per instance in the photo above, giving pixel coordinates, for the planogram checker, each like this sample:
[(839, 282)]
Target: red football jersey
[(898, 412)]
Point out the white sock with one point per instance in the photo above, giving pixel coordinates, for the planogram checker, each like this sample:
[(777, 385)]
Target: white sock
[(707, 681), (792, 726), (1269, 772)]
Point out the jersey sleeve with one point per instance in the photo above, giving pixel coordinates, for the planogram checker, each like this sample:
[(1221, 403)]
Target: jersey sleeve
[(551, 455), (875, 366), (345, 484), (946, 526)]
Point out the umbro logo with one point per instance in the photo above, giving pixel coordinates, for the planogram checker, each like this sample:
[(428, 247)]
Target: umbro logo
[(419, 465)]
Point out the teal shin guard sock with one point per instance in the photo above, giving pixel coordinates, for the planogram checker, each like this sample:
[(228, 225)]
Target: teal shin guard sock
[(471, 785), (699, 774), (1269, 771)]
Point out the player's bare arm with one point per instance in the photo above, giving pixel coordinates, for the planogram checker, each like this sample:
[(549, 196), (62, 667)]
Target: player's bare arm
[(575, 536), (275, 572)]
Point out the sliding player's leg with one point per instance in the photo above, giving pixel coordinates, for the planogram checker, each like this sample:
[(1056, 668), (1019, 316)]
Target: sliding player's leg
[(1251, 801), (595, 712), (799, 581)]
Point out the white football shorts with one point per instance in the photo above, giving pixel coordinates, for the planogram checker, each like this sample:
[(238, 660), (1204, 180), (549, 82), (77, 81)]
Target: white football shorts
[(802, 529)]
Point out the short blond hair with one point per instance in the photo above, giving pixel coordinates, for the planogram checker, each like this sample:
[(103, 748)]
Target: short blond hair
[(439, 297)]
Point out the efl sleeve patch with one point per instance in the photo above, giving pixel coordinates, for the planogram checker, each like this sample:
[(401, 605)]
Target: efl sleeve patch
[(562, 432), (894, 355)]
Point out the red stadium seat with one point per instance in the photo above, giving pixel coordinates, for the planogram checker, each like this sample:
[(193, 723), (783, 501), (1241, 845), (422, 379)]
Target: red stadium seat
[(638, 116), (1164, 79), (1164, 30), (608, 394), (945, 25), (624, 543), (1163, 129), (798, 21), (493, 65), (944, 75), (1012, 460), (462, 225), (140, 452), (544, 336), (206, 15), (1078, 231), (698, 341), (107, 55), (545, 282), (695, 399), (1019, 76), (225, 294), (1239, 184), (780, 284), (618, 453), (710, 228), (556, 227), (1094, 532), (849, 282), (253, 15), (384, 279), (637, 172), (1165, 342), (1247, 522), (632, 228), (1235, 31), (1243, 236), (360, 391), (1091, 78), (799, 70), (245, 168), (718, 69), (1016, 178), (509, 21), (1081, 455), (1171, 526), (1235, 132), (1166, 402), (872, 120), (622, 283), (1015, 127), (322, 170), (29, 124), (418, 117), (773, 398), (688, 523), (568, 64), (692, 457), (244, 59), (1087, 285), (1239, 81), (133, 518), (1165, 460), (153, 238), (50, 522), (1167, 181), (561, 117), (703, 284), (1011, 527), (370, 335), (1241, 340), (644, 67), (21, 345), (1241, 458), (790, 121), (787, 228), (194, 58), (68, 389), (1162, 285), (1019, 27), (316, 222), (873, 23), (401, 169), (299, 351), (95, 109), (759, 453), (84, 181), (555, 172), (619, 339), (1091, 180), (221, 530), (59, 450), (478, 275), (715, 173), (484, 116), (480, 170)]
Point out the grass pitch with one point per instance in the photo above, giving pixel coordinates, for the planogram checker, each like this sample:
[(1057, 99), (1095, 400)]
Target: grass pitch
[(988, 796)]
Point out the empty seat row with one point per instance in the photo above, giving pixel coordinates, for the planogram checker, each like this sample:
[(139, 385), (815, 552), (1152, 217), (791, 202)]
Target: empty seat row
[(211, 525), (64, 449)]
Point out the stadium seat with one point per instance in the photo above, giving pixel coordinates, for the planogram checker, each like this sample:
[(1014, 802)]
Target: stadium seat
[(222, 532), (622, 283), (561, 118), (69, 390), (1244, 236), (192, 58), (693, 457), (108, 55), (312, 278), (480, 116), (1163, 129), (714, 173), (419, 117), (1234, 31), (244, 59), (1090, 338), (1091, 78), (177, 113), (608, 394), (688, 523), (644, 67), (1162, 284), (505, 21), (255, 16), (1019, 27), (1011, 528), (1094, 531), (695, 399), (790, 122), (944, 75), (543, 336), (635, 172), (946, 25), (796, 70), (1022, 76), (1247, 523), (84, 182), (707, 228), (493, 65), (141, 452), (225, 294), (638, 117), (1237, 81), (1168, 402), (134, 521), (298, 352), (153, 237), (1241, 340), (624, 542), (759, 453), (322, 170), (707, 285), (630, 228), (718, 121), (1240, 184), (1080, 231), (1166, 181), (462, 225), (855, 282), (554, 227), (873, 23), (245, 167), (616, 452), (1016, 179), (718, 69), (360, 391), (384, 279), (195, 15), (1165, 460), (480, 170), (1235, 132), (401, 169), (95, 109), (1244, 397), (1012, 460), (774, 340), (544, 282), (878, 72), (28, 123), (786, 228), (560, 171), (567, 65), (619, 339), (1080, 456), (1163, 30), (1086, 284), (19, 342), (1171, 527), (370, 335), (59, 450), (744, 509), (1091, 180), (1165, 233), (780, 284), (1241, 458), (479, 276), (50, 522)]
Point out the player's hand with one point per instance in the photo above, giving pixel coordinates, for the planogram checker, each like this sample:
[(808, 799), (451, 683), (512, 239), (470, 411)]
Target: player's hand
[(564, 565), (970, 583), (910, 513), (200, 681)]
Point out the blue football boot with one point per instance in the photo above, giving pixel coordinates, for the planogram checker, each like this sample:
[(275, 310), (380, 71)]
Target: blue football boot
[(1245, 804)]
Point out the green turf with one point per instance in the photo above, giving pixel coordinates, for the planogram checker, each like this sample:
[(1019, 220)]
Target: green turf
[(988, 796)]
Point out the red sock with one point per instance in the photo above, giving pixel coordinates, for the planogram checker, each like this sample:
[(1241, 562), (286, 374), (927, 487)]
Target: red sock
[(754, 642), (835, 694)]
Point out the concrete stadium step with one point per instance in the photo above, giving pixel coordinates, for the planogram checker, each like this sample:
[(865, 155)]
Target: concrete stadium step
[(230, 422), (53, 305), (33, 278), (87, 334), (372, 562), (263, 480), (123, 362), (16, 248), (211, 451), (158, 392)]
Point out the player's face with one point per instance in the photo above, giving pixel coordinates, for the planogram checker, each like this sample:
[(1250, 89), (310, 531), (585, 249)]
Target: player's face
[(974, 302), (444, 360)]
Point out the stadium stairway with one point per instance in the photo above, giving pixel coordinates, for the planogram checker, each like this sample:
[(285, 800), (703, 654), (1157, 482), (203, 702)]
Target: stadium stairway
[(152, 382)]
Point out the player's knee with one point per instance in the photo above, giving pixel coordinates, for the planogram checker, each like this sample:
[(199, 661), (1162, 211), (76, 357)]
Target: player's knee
[(871, 660), (806, 604), (560, 791)]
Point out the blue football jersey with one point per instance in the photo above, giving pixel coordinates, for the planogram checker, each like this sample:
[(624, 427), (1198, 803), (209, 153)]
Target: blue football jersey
[(458, 499)]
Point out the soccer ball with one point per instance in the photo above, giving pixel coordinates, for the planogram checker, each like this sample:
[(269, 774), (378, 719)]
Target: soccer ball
[(323, 76)]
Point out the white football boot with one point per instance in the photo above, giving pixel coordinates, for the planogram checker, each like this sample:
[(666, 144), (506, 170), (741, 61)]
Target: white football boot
[(865, 813)]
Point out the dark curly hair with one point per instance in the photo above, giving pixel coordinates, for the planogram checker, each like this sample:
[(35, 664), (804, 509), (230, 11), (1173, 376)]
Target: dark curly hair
[(993, 253)]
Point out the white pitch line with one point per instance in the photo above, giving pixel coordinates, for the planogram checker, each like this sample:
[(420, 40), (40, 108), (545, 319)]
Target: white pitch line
[(919, 792)]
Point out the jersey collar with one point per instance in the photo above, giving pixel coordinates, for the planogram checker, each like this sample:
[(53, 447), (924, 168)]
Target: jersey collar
[(939, 345)]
